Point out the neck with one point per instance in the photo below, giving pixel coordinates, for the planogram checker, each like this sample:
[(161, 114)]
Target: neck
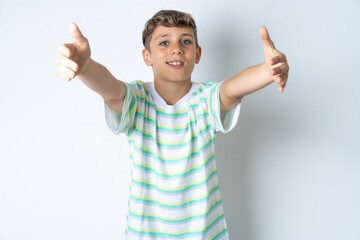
[(172, 92)]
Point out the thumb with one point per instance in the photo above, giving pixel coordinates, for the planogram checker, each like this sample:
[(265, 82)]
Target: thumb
[(266, 37), (76, 34)]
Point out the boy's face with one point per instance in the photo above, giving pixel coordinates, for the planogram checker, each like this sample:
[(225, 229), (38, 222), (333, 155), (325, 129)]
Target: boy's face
[(172, 54)]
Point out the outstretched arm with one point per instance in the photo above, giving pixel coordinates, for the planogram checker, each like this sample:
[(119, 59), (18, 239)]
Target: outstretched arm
[(274, 69), (74, 60)]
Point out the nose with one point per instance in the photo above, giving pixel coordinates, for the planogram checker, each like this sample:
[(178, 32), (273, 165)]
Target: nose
[(176, 49)]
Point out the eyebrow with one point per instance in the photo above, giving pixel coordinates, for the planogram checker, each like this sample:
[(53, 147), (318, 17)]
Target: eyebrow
[(168, 35)]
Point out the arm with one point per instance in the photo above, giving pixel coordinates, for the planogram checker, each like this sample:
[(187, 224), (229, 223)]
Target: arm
[(274, 69), (99, 79), (74, 60)]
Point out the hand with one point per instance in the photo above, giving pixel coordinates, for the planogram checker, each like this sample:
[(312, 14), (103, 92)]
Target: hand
[(275, 61), (73, 57)]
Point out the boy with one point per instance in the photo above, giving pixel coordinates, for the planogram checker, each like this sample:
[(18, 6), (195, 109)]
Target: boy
[(171, 125)]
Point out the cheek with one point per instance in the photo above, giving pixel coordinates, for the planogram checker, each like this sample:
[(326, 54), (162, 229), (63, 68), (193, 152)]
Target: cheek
[(156, 62)]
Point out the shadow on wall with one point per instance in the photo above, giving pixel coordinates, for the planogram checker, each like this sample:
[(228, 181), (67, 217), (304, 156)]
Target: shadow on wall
[(260, 122), (232, 149), (238, 155)]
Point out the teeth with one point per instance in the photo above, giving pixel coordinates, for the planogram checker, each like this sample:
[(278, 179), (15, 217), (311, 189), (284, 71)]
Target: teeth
[(174, 63)]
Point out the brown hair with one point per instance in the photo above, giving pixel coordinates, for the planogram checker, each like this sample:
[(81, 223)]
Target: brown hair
[(168, 18)]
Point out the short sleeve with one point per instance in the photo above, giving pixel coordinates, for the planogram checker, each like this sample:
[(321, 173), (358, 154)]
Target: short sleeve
[(225, 121), (122, 122)]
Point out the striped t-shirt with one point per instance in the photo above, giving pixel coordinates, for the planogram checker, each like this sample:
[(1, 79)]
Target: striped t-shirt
[(174, 190)]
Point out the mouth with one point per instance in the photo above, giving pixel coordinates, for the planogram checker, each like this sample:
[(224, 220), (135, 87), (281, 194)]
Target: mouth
[(175, 63)]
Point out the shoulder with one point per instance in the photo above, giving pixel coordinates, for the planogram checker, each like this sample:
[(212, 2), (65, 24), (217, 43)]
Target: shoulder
[(138, 87), (203, 87), (201, 94), (136, 84)]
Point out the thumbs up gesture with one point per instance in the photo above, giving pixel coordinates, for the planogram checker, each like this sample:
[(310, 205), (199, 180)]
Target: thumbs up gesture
[(275, 60), (73, 57)]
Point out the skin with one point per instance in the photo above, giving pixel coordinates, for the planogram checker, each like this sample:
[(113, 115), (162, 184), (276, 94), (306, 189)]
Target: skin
[(170, 44), (274, 69), (74, 60)]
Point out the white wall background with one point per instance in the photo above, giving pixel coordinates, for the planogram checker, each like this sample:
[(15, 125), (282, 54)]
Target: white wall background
[(289, 170)]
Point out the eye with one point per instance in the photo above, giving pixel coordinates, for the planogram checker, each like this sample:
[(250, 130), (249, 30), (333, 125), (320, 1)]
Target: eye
[(186, 42), (165, 43)]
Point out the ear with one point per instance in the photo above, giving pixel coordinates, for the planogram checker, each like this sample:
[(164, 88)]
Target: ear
[(198, 55), (147, 57)]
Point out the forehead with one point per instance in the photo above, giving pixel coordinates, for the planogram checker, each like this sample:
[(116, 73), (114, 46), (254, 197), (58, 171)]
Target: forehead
[(162, 31)]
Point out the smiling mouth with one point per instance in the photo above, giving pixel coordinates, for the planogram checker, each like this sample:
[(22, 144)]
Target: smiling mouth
[(175, 63)]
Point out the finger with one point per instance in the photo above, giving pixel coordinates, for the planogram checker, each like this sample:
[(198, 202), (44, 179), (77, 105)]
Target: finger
[(284, 80), (280, 69), (67, 62), (281, 89), (266, 37), (281, 80), (281, 86), (76, 33), (67, 50), (278, 59), (278, 79), (63, 76), (67, 72)]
